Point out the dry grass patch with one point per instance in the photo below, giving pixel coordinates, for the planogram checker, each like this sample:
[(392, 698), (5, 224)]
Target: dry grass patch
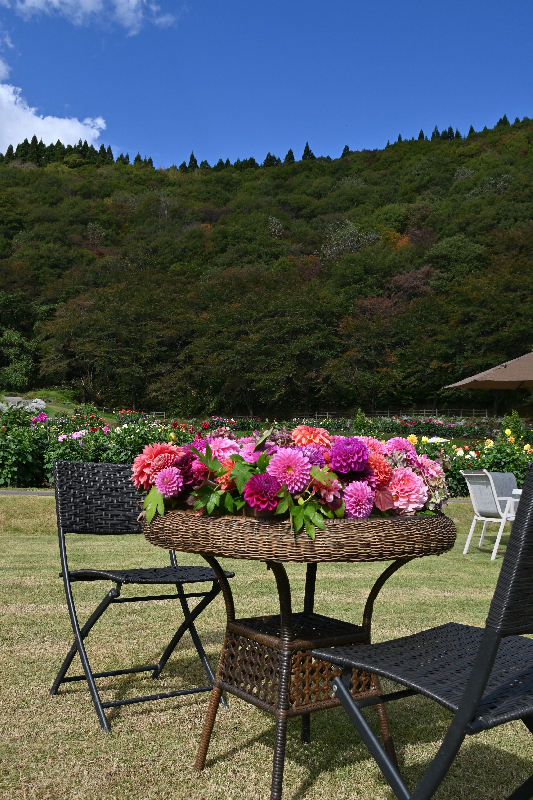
[(53, 747)]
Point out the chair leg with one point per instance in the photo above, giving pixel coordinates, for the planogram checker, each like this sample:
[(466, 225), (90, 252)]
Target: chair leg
[(500, 531), (482, 537), (524, 792), (84, 632), (82, 652), (306, 729), (188, 624), (467, 545)]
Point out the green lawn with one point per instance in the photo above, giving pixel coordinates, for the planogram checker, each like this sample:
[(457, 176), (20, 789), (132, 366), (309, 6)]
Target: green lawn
[(53, 747)]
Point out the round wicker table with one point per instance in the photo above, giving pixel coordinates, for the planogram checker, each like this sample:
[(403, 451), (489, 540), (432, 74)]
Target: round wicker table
[(267, 660)]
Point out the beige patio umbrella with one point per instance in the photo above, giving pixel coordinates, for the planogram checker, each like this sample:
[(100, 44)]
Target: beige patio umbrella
[(514, 374)]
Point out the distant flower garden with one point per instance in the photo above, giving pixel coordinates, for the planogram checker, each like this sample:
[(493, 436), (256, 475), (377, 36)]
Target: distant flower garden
[(30, 442)]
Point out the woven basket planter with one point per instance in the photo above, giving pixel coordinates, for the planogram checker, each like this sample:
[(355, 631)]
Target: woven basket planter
[(377, 539)]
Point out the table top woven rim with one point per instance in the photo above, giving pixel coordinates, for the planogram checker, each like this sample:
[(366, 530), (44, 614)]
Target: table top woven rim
[(373, 539)]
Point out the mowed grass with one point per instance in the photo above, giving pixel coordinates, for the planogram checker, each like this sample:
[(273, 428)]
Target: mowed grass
[(53, 747)]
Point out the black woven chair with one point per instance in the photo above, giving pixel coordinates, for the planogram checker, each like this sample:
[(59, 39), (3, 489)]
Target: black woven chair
[(101, 499), (483, 675)]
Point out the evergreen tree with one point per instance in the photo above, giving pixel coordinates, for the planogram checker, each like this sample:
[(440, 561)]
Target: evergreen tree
[(471, 130), (219, 165), (205, 165), (517, 121), (270, 160), (10, 155), (228, 163), (23, 151), (60, 150), (33, 150), (150, 163), (137, 161), (421, 135), (1, 158), (109, 155), (193, 163), (183, 167), (399, 137), (289, 158), (450, 133), (435, 134), (345, 152), (457, 134), (308, 154), (102, 156), (503, 120), (444, 135)]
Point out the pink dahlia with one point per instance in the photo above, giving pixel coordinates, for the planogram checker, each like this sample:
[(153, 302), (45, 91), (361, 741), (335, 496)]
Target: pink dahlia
[(260, 491), (222, 448), (249, 453), (398, 443), (358, 500), (291, 468), (305, 434), (169, 482), (374, 445), (349, 454), (329, 490), (408, 490), (142, 466), (432, 471)]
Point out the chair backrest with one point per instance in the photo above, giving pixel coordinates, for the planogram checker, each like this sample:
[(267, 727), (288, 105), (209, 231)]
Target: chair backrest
[(504, 483), (482, 493), (511, 609), (96, 498)]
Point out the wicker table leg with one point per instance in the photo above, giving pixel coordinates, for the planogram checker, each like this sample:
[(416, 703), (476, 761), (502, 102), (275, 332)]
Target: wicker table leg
[(207, 729)]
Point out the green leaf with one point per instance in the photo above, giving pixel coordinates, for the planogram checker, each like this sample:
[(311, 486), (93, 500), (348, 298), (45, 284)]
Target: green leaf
[(262, 439), (239, 502), (262, 462), (228, 503), (297, 513), (318, 520), (282, 506), (310, 529)]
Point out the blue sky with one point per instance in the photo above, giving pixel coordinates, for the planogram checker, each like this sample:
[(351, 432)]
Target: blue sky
[(241, 78)]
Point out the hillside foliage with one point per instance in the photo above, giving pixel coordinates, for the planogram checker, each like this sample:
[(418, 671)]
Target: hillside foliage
[(371, 280)]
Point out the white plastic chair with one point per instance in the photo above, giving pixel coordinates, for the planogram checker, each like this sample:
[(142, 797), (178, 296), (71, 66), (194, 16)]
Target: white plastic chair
[(491, 495)]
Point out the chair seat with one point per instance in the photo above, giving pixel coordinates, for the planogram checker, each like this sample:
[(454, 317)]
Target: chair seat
[(161, 575), (437, 663)]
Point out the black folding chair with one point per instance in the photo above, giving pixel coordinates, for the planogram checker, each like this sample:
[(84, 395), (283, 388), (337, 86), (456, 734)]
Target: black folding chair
[(101, 499), (483, 675)]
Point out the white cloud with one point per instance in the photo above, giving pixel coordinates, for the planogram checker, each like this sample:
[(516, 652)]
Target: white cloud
[(4, 70), (129, 13), (20, 121)]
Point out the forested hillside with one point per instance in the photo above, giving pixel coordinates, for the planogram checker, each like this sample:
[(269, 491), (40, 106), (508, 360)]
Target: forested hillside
[(369, 280)]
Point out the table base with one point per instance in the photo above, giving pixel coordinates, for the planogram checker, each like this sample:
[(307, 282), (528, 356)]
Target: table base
[(267, 662)]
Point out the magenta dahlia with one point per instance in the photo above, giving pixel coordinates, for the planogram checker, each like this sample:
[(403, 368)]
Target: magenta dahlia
[(290, 467), (358, 500), (349, 454), (260, 491), (169, 482)]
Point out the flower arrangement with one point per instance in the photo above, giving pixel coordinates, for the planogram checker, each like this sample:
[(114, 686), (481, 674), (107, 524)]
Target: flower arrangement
[(306, 476)]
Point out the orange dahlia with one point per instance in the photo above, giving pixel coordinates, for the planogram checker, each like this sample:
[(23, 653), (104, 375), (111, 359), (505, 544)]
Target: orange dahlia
[(151, 461), (381, 469), (305, 434)]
